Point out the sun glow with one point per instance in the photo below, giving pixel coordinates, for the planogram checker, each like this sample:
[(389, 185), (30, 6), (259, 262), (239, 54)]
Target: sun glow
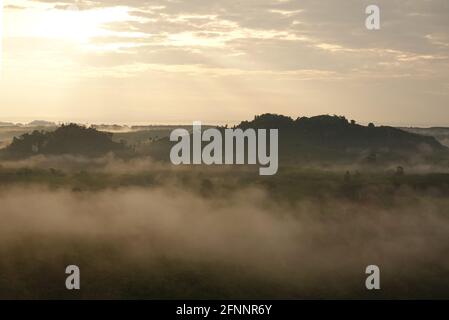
[(68, 24)]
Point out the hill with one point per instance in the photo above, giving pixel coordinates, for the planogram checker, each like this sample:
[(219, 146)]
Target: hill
[(334, 139), (67, 139)]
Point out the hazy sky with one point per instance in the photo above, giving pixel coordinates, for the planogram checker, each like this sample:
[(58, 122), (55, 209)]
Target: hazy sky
[(221, 61)]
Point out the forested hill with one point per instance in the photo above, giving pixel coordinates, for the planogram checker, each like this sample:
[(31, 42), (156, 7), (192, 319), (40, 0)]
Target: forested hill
[(335, 137), (67, 139), (336, 132), (330, 139)]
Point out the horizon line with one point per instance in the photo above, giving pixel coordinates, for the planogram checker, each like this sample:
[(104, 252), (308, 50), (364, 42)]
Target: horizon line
[(27, 122)]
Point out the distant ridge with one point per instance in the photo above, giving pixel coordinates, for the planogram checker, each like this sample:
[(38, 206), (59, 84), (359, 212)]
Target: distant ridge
[(6, 124), (440, 133), (41, 123)]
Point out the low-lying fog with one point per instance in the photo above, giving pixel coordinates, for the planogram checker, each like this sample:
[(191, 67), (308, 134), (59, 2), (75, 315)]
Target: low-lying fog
[(169, 243)]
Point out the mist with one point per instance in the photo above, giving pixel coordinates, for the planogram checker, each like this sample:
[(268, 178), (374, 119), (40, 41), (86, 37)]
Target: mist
[(168, 242)]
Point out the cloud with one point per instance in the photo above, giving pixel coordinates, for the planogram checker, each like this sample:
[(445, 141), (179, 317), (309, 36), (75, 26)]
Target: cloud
[(190, 31), (275, 44)]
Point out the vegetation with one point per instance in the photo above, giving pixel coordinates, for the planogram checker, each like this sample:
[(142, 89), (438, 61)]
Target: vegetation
[(67, 139), (344, 197), (331, 140)]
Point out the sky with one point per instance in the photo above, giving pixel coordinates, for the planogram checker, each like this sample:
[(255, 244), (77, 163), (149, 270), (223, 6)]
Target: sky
[(223, 61)]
